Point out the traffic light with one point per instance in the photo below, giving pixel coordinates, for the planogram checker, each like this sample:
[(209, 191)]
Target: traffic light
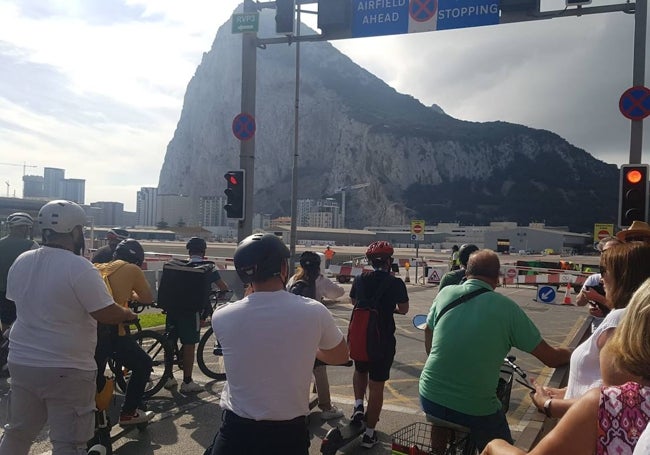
[(633, 194), (334, 16), (284, 16), (236, 194)]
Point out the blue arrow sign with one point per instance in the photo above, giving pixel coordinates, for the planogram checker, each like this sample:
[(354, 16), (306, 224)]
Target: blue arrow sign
[(546, 294), (394, 17)]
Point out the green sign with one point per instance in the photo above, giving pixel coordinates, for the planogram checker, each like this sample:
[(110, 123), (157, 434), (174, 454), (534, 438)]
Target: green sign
[(248, 22)]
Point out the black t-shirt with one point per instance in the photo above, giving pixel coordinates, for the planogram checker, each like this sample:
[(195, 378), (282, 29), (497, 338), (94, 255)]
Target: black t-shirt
[(367, 284)]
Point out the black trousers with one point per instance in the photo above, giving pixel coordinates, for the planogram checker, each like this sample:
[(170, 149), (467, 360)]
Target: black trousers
[(240, 436), (126, 351)]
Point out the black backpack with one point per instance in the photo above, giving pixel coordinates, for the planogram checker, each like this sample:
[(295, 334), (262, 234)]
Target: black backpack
[(185, 286), (304, 288)]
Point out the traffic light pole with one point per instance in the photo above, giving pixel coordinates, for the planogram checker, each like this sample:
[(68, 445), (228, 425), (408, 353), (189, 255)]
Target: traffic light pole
[(247, 148), (638, 76)]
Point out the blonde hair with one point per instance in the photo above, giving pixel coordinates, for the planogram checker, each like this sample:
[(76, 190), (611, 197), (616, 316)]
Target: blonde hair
[(630, 343)]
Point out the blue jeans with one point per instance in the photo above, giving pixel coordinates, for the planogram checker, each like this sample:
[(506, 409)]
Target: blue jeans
[(482, 428)]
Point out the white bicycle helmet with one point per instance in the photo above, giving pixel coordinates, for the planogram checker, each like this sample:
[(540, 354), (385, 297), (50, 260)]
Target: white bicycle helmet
[(20, 219), (61, 216)]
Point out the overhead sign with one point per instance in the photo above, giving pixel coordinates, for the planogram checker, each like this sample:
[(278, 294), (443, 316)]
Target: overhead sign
[(417, 230), (546, 294), (635, 103), (394, 17), (243, 126), (247, 22), (602, 230)]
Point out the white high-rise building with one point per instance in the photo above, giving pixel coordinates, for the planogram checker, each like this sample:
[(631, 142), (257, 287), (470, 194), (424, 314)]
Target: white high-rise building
[(53, 182), (74, 190), (146, 206), (211, 212)]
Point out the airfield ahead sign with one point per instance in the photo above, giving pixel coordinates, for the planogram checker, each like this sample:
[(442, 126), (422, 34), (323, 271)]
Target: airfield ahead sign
[(394, 17)]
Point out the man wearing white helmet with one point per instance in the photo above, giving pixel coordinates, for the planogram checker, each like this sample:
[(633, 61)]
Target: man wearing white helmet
[(18, 241), (59, 296)]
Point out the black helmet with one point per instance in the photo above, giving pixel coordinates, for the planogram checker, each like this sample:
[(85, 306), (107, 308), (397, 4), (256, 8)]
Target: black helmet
[(259, 257), (117, 234), (196, 244), (465, 251), (129, 250), (309, 260)]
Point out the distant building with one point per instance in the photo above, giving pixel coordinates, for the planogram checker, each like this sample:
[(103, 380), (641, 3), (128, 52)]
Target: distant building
[(176, 210), (111, 213), (146, 206), (74, 190), (211, 212), (325, 213), (53, 182), (33, 186)]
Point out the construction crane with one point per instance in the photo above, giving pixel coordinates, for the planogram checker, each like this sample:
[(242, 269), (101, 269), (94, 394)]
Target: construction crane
[(24, 166), (344, 190)]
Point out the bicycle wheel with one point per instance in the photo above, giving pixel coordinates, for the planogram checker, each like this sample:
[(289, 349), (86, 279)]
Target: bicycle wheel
[(155, 345), (209, 356)]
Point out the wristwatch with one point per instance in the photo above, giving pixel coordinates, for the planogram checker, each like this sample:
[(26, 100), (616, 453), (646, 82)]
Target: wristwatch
[(547, 407)]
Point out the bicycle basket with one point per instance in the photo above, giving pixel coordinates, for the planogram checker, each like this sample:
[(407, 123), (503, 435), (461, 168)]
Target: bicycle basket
[(423, 438)]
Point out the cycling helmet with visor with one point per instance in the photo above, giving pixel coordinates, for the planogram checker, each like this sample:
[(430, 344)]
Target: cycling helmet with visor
[(61, 216), (465, 252), (259, 257), (129, 250), (196, 244), (380, 250), (310, 260), (117, 234), (20, 219)]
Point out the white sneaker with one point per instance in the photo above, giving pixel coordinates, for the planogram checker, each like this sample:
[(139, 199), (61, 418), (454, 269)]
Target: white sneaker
[(136, 417), (331, 413), (171, 383), (191, 387)]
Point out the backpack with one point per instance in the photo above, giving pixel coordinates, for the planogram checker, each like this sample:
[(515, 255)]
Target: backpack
[(364, 334), (185, 286), (304, 288)]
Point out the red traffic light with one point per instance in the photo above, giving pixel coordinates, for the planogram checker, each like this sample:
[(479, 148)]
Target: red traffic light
[(633, 176), (233, 180)]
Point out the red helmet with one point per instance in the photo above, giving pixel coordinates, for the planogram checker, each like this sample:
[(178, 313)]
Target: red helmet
[(379, 249)]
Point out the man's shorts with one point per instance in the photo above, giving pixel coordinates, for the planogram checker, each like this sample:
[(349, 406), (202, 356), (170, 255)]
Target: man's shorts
[(7, 310), (377, 371), (187, 326)]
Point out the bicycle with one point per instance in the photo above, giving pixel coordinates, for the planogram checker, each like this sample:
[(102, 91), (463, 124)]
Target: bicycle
[(440, 437), (211, 362)]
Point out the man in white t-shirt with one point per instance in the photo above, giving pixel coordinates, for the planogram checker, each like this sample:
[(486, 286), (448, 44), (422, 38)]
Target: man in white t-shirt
[(59, 296), (269, 341)]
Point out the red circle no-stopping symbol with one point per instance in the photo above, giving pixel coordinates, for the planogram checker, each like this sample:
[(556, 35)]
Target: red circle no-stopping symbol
[(635, 103), (243, 126)]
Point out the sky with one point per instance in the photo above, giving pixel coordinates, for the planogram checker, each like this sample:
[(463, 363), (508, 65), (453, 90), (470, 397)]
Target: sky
[(96, 87)]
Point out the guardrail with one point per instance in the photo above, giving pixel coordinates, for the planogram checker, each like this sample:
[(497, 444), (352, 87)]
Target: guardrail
[(539, 424)]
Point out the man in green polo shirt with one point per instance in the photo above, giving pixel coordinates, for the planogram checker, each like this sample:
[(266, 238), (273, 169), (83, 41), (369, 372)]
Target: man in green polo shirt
[(466, 347)]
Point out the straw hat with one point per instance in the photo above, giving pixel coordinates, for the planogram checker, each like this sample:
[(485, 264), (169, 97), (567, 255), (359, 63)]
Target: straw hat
[(640, 230)]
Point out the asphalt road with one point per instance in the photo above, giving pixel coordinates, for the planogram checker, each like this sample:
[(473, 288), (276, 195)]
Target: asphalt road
[(186, 424)]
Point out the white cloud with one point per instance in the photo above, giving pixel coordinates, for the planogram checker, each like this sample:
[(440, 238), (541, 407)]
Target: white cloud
[(96, 86)]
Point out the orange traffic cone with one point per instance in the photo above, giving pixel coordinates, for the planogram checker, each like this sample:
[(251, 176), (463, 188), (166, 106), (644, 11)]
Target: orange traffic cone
[(567, 295)]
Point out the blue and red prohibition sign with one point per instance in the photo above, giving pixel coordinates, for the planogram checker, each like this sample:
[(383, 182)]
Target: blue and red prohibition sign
[(243, 126), (423, 10), (635, 103)]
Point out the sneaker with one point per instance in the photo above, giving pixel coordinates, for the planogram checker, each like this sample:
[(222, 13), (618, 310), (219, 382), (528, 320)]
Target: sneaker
[(358, 414), (191, 387), (369, 441), (136, 417), (331, 413), (171, 383)]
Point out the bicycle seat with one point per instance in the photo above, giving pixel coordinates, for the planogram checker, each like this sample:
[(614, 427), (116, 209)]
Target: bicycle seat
[(446, 424)]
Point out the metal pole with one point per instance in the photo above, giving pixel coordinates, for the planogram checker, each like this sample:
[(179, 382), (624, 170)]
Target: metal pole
[(638, 76), (343, 208), (294, 171), (247, 148)]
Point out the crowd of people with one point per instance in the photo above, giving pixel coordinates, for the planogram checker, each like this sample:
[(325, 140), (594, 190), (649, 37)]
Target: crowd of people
[(51, 297)]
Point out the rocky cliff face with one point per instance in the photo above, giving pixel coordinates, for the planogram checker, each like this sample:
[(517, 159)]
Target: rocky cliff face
[(420, 162)]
